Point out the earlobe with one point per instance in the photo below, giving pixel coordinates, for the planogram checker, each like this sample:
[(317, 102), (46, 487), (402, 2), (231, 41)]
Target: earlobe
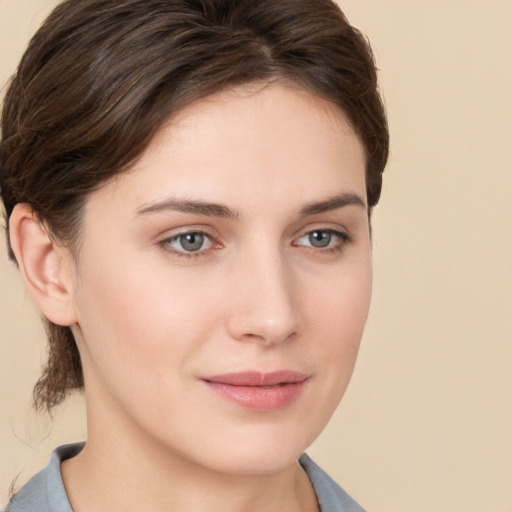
[(42, 265)]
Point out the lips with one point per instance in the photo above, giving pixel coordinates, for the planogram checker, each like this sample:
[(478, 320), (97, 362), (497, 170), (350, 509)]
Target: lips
[(259, 391)]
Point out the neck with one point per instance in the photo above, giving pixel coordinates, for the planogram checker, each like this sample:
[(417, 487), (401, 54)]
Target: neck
[(129, 472)]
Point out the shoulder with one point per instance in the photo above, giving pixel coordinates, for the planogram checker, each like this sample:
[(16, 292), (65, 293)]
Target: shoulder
[(331, 497), (45, 492)]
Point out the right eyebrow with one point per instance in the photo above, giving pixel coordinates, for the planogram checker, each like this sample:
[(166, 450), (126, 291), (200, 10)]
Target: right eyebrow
[(195, 207)]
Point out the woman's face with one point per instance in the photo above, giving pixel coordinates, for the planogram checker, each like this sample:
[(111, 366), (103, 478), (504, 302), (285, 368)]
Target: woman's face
[(223, 282)]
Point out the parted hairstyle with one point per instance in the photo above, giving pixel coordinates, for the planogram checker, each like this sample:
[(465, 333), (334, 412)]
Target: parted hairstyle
[(101, 77)]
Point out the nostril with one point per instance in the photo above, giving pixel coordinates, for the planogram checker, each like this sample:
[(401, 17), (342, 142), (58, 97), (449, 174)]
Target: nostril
[(269, 338)]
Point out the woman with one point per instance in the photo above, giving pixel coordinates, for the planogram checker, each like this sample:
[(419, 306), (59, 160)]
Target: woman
[(188, 187)]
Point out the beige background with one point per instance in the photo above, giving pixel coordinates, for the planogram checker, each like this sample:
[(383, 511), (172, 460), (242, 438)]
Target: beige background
[(426, 425)]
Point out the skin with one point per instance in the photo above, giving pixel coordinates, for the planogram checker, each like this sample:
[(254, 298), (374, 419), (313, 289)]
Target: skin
[(152, 319)]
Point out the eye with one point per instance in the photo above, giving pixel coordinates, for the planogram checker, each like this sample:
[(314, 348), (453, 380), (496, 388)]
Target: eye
[(191, 243), (327, 239), (319, 238)]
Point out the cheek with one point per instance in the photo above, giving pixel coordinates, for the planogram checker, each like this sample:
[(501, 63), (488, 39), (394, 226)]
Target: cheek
[(137, 322), (338, 315), (342, 305)]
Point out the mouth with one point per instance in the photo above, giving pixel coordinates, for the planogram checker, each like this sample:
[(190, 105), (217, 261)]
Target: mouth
[(259, 391)]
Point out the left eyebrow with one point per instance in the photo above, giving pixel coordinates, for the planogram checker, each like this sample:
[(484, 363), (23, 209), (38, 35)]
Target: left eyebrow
[(332, 203)]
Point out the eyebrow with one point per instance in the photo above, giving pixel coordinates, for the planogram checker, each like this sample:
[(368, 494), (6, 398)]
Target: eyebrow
[(333, 203), (198, 207), (189, 206)]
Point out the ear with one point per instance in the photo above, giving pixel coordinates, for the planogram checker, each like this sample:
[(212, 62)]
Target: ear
[(44, 266)]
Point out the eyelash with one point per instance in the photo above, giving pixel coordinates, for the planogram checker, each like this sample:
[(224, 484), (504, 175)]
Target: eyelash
[(343, 240)]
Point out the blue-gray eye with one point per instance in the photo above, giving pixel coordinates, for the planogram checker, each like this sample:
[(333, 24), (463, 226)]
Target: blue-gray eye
[(188, 243), (191, 242), (320, 238), (324, 240)]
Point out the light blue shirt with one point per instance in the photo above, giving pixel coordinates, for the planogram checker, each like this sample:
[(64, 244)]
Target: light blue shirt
[(45, 491)]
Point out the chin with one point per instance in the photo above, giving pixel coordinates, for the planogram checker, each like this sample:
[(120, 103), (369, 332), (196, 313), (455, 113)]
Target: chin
[(255, 463), (257, 451)]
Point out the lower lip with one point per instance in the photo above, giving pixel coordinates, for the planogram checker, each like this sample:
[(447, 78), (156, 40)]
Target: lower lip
[(259, 398)]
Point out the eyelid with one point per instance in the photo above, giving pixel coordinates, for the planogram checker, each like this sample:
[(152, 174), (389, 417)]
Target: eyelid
[(321, 226), (186, 229)]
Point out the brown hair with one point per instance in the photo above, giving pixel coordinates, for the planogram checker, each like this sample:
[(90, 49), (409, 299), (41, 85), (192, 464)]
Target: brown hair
[(100, 77)]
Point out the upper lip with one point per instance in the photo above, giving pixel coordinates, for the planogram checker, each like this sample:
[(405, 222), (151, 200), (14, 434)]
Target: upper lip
[(255, 378)]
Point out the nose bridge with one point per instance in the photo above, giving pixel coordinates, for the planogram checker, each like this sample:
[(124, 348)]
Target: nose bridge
[(265, 307)]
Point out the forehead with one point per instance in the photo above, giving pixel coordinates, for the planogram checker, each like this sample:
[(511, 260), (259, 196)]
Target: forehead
[(247, 144)]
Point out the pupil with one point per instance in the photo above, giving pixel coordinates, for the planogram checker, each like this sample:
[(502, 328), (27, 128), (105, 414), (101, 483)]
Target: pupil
[(192, 241), (320, 238)]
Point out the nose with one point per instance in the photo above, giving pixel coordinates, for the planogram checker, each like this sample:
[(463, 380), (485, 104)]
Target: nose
[(264, 304)]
